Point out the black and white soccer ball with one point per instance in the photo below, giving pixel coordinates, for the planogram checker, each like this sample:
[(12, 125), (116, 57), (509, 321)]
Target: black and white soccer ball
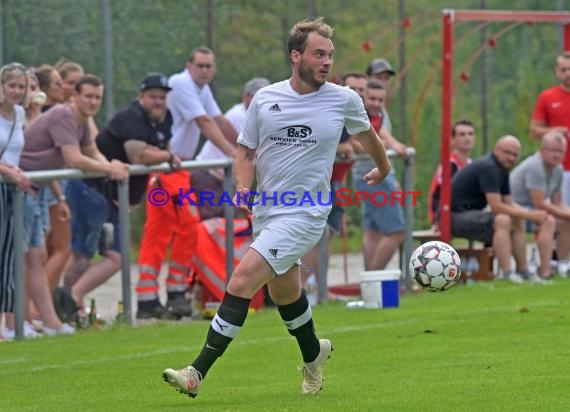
[(435, 266)]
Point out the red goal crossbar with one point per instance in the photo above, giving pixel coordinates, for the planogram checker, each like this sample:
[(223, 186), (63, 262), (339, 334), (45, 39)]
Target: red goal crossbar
[(449, 18)]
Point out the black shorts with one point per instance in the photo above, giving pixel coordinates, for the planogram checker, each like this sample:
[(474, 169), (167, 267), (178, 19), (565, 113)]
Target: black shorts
[(474, 225)]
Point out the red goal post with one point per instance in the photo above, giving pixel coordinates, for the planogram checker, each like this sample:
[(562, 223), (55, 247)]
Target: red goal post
[(450, 17)]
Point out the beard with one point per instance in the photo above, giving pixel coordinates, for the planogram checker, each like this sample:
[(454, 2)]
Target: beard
[(308, 76)]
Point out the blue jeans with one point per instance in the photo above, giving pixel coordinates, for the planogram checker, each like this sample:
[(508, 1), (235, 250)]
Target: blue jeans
[(89, 211)]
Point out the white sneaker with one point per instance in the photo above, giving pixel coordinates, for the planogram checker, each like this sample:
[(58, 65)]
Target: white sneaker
[(538, 280), (187, 380), (514, 278), (313, 371), (29, 332), (65, 329), (563, 268)]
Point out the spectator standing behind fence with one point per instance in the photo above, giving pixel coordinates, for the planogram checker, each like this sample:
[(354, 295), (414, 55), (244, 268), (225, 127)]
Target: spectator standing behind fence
[(381, 70), (285, 233), (482, 209), (383, 225), (35, 100), (194, 110), (51, 84), (60, 138), (535, 184), (58, 238), (212, 180), (70, 72), (462, 142), (13, 90), (552, 112), (138, 133)]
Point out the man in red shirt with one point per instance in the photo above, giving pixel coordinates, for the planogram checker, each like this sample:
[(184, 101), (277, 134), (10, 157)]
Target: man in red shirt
[(552, 112), (462, 142)]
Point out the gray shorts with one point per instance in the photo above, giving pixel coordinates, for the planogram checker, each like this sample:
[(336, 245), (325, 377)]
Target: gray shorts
[(283, 240), (386, 219), (474, 225)]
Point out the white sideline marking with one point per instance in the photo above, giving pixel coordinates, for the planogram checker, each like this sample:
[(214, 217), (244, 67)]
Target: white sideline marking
[(149, 354)]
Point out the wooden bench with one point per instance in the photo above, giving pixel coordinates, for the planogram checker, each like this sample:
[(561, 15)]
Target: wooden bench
[(484, 255)]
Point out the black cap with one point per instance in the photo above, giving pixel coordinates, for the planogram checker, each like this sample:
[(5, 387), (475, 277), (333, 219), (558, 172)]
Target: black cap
[(154, 81)]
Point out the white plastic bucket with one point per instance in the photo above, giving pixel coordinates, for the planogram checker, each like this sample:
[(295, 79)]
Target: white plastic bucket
[(380, 288)]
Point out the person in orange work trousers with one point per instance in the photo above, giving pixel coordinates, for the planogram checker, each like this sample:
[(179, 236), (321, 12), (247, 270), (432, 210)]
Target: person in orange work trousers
[(168, 224), (194, 113)]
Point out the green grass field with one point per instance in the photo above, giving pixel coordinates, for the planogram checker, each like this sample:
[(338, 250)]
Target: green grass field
[(486, 347)]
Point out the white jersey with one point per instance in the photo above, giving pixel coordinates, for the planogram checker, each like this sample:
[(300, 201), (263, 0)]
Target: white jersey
[(187, 101), (296, 137), (236, 116)]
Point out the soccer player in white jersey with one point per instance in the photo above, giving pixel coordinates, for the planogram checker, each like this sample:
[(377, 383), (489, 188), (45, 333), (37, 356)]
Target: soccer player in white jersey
[(292, 131)]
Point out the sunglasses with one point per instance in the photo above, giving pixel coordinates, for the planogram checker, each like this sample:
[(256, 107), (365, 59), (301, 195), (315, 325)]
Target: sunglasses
[(14, 66)]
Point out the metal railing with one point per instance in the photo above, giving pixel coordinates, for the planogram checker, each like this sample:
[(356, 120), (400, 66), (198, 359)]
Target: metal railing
[(124, 223)]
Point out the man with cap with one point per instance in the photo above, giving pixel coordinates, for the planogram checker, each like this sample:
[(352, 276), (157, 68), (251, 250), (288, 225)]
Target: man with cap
[(212, 180), (379, 69), (137, 134)]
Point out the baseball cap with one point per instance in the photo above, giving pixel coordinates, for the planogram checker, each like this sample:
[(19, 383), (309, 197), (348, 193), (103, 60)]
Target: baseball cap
[(379, 65), (252, 86), (154, 81)]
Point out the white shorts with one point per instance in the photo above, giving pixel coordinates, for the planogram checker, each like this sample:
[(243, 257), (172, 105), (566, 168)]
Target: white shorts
[(283, 240)]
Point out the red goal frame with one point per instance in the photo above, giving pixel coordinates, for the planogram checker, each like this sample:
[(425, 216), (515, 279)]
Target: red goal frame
[(450, 17)]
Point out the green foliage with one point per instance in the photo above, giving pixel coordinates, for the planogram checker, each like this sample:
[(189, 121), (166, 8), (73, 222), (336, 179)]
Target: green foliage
[(490, 347), (248, 37)]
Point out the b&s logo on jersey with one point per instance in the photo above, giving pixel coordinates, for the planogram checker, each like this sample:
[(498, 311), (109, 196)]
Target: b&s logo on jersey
[(296, 135)]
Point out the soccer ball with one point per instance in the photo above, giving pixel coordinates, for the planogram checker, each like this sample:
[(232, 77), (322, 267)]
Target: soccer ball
[(435, 266)]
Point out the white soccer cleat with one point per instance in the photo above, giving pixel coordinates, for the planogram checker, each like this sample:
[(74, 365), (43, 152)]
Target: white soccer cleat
[(313, 371), (187, 380)]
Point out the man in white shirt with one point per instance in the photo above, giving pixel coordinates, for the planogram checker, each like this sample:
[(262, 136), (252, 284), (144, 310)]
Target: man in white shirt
[(289, 144), (175, 225), (212, 180), (194, 109)]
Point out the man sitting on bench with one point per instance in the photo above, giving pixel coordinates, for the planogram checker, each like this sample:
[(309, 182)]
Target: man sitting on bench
[(482, 208), (462, 142), (536, 183)]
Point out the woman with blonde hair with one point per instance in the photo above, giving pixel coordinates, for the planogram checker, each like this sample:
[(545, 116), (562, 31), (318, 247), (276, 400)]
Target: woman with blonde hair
[(13, 92), (36, 98), (58, 238), (69, 72)]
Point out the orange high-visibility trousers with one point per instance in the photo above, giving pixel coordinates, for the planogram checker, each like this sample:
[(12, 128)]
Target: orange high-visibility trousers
[(171, 224)]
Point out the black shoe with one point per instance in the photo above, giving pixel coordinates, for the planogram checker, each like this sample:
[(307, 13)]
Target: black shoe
[(65, 306), (179, 307), (156, 312)]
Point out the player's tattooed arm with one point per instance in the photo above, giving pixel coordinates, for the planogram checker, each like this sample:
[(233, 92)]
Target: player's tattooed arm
[(244, 172), (249, 155)]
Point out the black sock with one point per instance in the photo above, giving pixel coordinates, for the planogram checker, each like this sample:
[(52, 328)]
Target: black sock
[(298, 319), (224, 327)]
